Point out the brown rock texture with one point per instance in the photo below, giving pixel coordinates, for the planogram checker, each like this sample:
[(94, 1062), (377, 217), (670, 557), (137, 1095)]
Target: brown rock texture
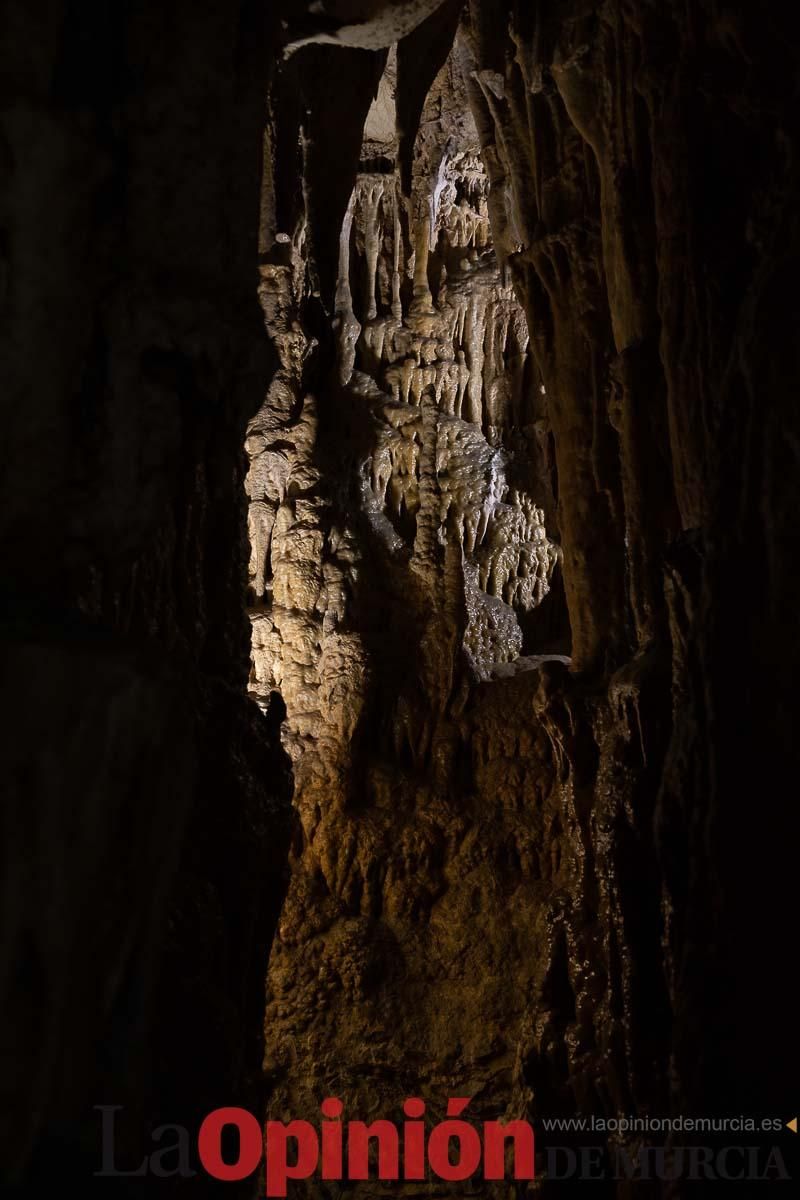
[(643, 149), (391, 555), (514, 433), (540, 832)]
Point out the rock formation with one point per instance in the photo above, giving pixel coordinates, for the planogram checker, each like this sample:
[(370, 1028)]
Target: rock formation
[(393, 545), (520, 342), (515, 436)]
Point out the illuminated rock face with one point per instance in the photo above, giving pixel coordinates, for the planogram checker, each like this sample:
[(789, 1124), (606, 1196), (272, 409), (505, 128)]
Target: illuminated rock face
[(503, 886), (557, 887), (434, 395), (399, 531)]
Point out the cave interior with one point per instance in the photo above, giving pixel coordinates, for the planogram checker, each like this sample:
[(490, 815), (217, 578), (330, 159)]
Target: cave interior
[(405, 704)]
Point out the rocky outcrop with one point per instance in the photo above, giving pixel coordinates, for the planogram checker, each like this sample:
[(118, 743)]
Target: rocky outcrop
[(145, 816)]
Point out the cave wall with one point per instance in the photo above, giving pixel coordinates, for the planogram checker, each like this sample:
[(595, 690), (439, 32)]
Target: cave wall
[(559, 886), (556, 885), (145, 817), (647, 154)]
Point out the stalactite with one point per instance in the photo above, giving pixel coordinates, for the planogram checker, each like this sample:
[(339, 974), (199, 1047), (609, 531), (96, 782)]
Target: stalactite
[(397, 307), (346, 326), (370, 195), (423, 301)]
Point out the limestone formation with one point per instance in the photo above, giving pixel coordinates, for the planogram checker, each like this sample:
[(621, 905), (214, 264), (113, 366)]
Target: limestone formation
[(398, 530), (492, 394), (514, 433)]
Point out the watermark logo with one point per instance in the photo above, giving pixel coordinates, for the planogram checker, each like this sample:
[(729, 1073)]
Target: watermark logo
[(649, 1163), (231, 1145), (453, 1150)]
